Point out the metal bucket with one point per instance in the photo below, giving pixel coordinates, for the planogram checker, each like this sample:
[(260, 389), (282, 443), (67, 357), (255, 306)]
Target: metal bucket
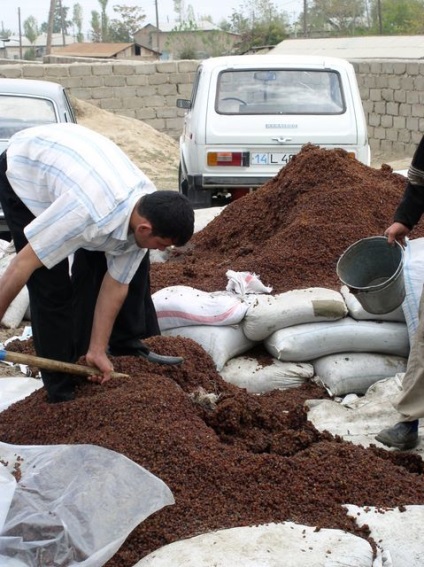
[(372, 269)]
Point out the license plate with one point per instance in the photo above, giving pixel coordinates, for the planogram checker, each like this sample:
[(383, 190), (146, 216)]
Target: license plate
[(270, 159)]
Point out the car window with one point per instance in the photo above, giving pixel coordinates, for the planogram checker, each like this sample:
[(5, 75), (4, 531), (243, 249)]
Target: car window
[(279, 91), (19, 112), (195, 86)]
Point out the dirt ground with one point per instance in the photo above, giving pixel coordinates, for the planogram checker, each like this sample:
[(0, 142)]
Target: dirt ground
[(152, 151)]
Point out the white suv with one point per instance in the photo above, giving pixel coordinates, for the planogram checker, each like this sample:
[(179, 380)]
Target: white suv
[(249, 114)]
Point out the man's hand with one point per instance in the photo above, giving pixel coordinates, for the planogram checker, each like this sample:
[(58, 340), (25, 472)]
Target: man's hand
[(100, 361), (397, 231), (109, 302)]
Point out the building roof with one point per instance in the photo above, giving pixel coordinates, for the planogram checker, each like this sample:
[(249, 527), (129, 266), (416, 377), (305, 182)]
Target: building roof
[(57, 40), (99, 50), (363, 47)]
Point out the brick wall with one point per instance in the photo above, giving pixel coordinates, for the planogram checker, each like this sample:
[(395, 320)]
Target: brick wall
[(392, 92)]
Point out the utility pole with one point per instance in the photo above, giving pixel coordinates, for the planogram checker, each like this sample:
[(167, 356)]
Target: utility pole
[(50, 27), (380, 20), (157, 25), (305, 9), (20, 34)]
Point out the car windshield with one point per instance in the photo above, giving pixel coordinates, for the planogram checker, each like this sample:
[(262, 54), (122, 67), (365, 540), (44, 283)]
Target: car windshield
[(19, 112), (280, 91)]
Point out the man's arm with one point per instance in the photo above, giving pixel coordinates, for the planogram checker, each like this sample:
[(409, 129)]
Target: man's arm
[(16, 276), (109, 302)]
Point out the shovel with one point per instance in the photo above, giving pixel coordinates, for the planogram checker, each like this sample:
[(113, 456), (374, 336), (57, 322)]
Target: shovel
[(53, 365)]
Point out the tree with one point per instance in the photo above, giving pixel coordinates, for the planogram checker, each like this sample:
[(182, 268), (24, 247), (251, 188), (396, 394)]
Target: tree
[(259, 23), (31, 32), (96, 27), (132, 18), (335, 17), (104, 20), (60, 21), (398, 16), (77, 21)]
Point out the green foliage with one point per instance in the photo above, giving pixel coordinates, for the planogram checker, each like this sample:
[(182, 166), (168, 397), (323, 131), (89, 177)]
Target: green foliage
[(398, 17), (77, 18), (30, 54), (131, 20), (96, 28), (259, 23), (341, 17), (31, 30)]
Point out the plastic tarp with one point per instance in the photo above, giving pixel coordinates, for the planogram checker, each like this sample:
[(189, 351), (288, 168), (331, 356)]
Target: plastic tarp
[(72, 505)]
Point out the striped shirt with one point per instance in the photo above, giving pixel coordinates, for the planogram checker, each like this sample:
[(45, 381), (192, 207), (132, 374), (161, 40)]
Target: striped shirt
[(82, 189)]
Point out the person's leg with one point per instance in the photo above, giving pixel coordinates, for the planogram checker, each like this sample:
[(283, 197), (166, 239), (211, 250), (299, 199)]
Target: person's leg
[(50, 299), (411, 401), (410, 404), (137, 319), (88, 269)]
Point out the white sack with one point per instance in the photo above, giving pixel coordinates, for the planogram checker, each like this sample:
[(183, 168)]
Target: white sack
[(355, 372), (221, 343), (313, 340), (271, 545), (181, 306), (398, 532), (248, 373), (358, 312), (16, 310), (413, 275), (267, 314)]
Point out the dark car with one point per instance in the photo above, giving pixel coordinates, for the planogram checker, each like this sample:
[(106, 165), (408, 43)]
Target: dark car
[(25, 103)]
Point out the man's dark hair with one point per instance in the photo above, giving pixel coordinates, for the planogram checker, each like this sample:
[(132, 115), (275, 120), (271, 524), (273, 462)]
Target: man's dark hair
[(171, 215)]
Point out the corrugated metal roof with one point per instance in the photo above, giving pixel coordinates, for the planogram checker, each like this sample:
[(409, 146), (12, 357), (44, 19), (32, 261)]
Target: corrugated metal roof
[(92, 49), (364, 47)]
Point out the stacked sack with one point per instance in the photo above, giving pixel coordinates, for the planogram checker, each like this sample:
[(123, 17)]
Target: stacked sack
[(313, 332)]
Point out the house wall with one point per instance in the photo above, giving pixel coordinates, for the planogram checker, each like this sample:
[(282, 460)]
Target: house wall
[(392, 92)]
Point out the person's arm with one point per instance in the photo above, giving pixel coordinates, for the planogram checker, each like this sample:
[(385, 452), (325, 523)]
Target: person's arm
[(411, 207), (109, 301), (16, 276)]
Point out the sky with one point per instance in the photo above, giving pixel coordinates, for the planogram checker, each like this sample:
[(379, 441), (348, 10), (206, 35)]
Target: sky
[(217, 9)]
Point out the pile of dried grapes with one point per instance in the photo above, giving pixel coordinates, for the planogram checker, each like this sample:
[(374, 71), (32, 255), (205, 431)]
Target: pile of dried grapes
[(292, 230), (243, 459)]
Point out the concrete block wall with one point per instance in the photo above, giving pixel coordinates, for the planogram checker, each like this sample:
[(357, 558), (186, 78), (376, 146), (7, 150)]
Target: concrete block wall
[(392, 93), (146, 91)]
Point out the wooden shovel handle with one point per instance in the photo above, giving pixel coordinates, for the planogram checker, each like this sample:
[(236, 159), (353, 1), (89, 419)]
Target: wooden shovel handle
[(54, 365)]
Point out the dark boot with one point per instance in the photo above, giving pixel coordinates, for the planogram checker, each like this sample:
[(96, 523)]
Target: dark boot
[(402, 436)]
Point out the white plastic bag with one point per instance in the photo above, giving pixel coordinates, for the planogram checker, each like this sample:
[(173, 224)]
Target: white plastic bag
[(221, 343), (268, 313), (313, 340), (74, 505), (413, 274), (17, 309), (245, 282), (182, 306)]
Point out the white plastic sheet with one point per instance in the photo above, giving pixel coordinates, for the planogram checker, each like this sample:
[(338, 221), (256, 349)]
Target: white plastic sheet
[(73, 506)]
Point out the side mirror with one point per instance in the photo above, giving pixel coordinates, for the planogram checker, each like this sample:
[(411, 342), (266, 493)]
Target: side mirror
[(183, 103)]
